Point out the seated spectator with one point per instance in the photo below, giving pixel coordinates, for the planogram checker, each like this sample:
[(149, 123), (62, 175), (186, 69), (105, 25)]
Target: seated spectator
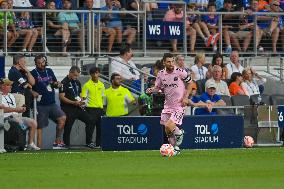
[(12, 34), (211, 100), (127, 74), (110, 32), (234, 65), (252, 81), (38, 4), (180, 63), (73, 22), (267, 25), (176, 15), (210, 23), (117, 97), (25, 27), (56, 29), (235, 86), (201, 5), (113, 20), (199, 71), (230, 24), (218, 60), (13, 113), (221, 86)]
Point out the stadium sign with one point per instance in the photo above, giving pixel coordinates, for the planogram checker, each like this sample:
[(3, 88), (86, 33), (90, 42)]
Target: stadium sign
[(281, 116), (161, 30), (131, 133), (203, 132)]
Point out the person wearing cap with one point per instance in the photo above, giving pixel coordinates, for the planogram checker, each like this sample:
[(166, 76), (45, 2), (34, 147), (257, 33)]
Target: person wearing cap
[(211, 99), (22, 81), (44, 91), (12, 113)]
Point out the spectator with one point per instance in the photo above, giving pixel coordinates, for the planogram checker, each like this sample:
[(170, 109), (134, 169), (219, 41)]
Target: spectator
[(12, 113), (56, 29), (25, 27), (211, 99), (218, 60), (176, 15), (110, 32), (113, 20), (73, 22), (44, 91), (128, 74), (235, 86), (180, 63), (230, 24), (74, 106), (97, 4), (252, 81), (22, 81), (93, 92), (221, 86), (234, 65), (117, 97), (210, 24), (12, 34), (199, 71)]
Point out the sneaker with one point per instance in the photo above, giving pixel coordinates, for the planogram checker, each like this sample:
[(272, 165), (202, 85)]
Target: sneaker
[(59, 146), (260, 49), (32, 147), (208, 41), (91, 145), (215, 39), (179, 138), (176, 151), (228, 50)]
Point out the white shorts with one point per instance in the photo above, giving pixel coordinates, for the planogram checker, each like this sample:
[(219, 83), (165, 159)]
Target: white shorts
[(175, 116)]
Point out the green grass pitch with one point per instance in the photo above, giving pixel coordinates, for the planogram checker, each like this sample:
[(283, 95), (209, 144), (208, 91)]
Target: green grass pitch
[(213, 169)]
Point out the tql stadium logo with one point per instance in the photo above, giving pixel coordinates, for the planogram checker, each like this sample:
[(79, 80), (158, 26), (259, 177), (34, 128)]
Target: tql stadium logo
[(207, 133), (131, 134)]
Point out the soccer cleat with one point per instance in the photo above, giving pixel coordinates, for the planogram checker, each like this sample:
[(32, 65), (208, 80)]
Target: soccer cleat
[(179, 138), (176, 151), (32, 147)]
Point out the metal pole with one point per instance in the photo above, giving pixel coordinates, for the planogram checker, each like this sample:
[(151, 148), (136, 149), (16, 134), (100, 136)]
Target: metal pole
[(44, 32), (144, 30), (268, 65), (184, 31), (142, 83), (82, 42), (221, 34), (138, 25), (254, 35), (5, 33), (281, 69)]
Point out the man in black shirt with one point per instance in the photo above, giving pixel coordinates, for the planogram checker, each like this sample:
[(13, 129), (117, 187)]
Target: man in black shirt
[(73, 105), (22, 81)]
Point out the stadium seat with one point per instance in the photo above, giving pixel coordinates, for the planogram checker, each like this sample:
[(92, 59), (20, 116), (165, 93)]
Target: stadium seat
[(264, 99), (277, 99), (227, 99), (240, 100), (200, 86)]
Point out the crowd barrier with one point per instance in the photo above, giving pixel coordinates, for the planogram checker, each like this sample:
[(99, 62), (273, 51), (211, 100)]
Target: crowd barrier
[(151, 33)]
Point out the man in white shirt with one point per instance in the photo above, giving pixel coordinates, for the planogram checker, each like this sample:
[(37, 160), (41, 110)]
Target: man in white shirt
[(234, 65), (12, 113), (118, 65), (221, 86)]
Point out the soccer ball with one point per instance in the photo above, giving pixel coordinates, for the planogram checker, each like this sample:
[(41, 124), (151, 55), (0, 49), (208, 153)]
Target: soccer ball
[(167, 150), (248, 141)]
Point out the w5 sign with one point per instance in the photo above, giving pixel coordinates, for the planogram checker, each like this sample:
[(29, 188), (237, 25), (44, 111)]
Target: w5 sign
[(161, 30)]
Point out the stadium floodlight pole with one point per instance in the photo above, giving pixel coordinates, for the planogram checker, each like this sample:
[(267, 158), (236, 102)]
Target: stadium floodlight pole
[(184, 30)]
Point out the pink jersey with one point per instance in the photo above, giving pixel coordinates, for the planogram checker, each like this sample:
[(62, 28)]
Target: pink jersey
[(172, 84)]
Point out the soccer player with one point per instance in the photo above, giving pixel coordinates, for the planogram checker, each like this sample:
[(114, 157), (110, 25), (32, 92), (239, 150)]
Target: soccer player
[(171, 81)]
